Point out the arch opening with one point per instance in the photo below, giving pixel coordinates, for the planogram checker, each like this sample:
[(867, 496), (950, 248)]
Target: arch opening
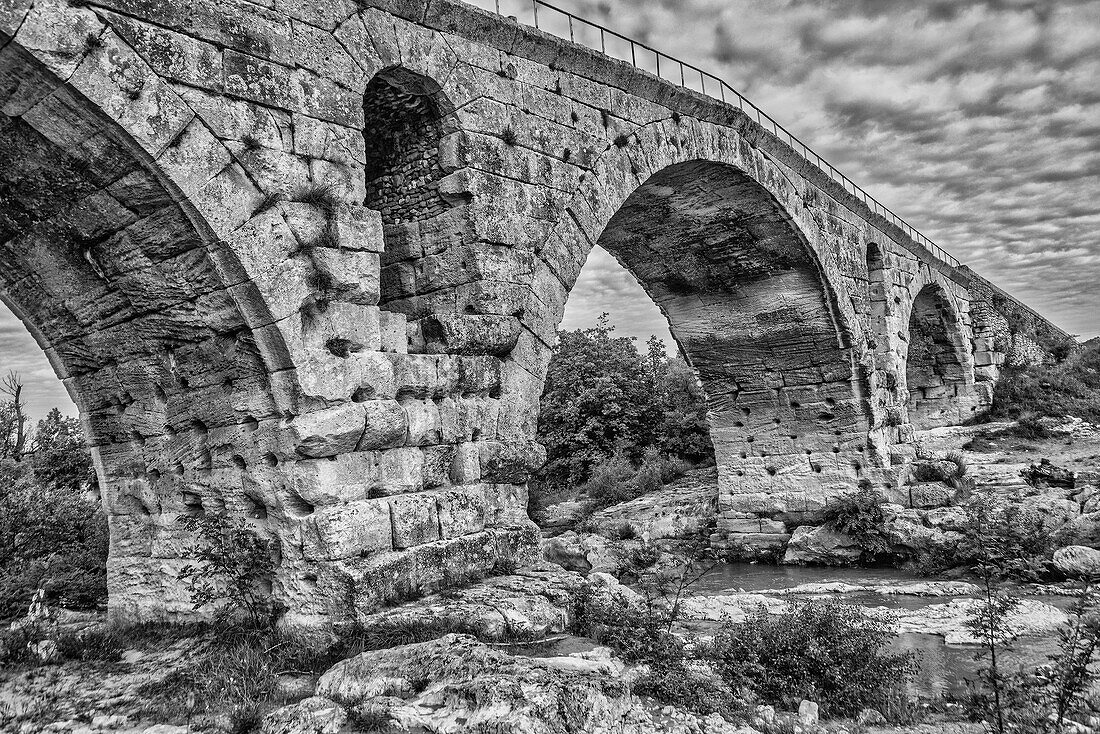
[(938, 374), (406, 118), (752, 312), (120, 283)]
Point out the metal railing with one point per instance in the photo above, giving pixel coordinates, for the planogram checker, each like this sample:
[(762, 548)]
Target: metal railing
[(567, 26)]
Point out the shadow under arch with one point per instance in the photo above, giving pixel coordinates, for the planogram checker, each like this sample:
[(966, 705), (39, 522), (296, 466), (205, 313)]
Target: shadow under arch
[(939, 372), (753, 313), (146, 317)]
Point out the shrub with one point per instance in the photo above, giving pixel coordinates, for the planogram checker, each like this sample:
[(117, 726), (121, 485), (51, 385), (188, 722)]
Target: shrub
[(823, 651), (1070, 387), (234, 569), (1011, 541), (860, 516)]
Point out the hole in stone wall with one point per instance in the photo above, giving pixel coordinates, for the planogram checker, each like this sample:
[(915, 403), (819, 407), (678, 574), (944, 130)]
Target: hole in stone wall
[(192, 504), (271, 460), (250, 424), (935, 369), (405, 117), (254, 508), (239, 462), (296, 506)]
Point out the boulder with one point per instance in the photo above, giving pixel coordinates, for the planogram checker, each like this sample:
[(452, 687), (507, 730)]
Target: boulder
[(1078, 561), (582, 552), (821, 545), (533, 601), (456, 683), (947, 518), (1045, 474), (1081, 530), (314, 715), (681, 510), (1054, 510)]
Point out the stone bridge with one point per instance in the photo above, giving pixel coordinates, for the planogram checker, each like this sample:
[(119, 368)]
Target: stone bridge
[(303, 263)]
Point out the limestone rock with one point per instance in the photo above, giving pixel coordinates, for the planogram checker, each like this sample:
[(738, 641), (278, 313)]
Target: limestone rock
[(314, 715), (456, 683), (1046, 474), (821, 545), (1078, 561), (533, 600), (1081, 530), (581, 552), (681, 510)]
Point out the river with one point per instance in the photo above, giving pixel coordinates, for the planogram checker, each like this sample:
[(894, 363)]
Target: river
[(944, 667)]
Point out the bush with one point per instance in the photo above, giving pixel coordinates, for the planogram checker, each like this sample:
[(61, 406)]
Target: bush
[(860, 516), (1071, 387), (1013, 542), (234, 569), (823, 651)]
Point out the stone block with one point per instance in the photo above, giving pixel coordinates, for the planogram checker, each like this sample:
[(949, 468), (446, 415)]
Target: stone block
[(506, 505), (349, 275), (469, 334), (394, 327), (346, 531), (437, 465), (461, 511), (330, 431), (386, 425), (466, 466), (752, 526), (415, 375), (510, 462), (423, 422), (400, 470), (415, 519)]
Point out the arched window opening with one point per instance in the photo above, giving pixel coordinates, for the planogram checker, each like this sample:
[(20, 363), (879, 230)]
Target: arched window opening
[(404, 123), (935, 368), (406, 116)]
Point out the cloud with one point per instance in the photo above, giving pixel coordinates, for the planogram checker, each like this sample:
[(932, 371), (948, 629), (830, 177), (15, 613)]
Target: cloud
[(976, 120)]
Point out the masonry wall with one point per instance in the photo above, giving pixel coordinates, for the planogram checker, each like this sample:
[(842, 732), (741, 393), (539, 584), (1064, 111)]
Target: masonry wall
[(381, 431)]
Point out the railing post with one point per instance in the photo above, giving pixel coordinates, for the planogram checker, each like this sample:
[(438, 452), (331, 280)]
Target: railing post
[(535, 9)]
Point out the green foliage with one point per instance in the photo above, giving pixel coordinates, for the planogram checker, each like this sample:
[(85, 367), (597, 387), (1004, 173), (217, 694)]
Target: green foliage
[(824, 651), (1070, 387), (53, 533), (605, 403), (233, 571), (860, 516)]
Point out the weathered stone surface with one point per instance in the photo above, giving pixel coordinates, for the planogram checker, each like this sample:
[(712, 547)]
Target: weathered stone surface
[(821, 545), (230, 224), (464, 672), (1078, 561)]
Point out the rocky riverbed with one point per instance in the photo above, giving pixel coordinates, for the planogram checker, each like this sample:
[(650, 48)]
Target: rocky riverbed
[(505, 659)]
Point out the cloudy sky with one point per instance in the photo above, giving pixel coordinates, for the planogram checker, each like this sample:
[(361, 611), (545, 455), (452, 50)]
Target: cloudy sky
[(979, 122)]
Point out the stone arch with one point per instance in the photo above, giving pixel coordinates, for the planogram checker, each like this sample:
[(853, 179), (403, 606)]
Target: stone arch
[(753, 310), (938, 366), (146, 316)]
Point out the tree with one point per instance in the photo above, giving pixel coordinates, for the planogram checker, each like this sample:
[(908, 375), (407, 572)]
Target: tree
[(13, 419), (597, 402), (58, 455), (603, 399)]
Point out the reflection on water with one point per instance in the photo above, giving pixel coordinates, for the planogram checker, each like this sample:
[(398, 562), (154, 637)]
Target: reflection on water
[(943, 668)]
